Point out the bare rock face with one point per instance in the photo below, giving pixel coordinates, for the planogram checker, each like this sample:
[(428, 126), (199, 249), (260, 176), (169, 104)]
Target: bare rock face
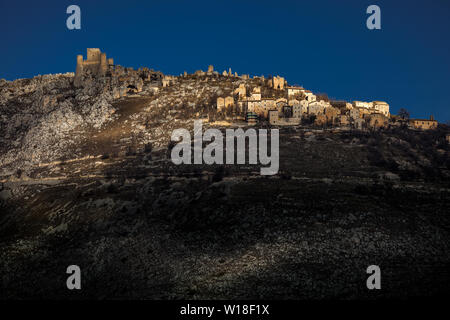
[(41, 118)]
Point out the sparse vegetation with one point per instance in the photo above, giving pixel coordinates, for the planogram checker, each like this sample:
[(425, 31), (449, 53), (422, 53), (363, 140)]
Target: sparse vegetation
[(153, 229)]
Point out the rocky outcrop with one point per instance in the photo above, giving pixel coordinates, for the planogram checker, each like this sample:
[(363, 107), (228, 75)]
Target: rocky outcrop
[(42, 118)]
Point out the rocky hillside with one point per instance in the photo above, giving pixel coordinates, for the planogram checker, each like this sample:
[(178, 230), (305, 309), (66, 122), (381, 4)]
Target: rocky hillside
[(85, 179), (46, 118)]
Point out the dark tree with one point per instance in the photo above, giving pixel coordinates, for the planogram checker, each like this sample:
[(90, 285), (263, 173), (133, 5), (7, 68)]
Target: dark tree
[(287, 111), (403, 113), (322, 96)]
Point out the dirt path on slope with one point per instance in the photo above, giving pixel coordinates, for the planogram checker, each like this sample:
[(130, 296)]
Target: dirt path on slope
[(115, 135)]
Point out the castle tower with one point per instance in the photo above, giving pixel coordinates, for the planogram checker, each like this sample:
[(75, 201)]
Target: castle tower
[(79, 69), (103, 66), (93, 54), (97, 64)]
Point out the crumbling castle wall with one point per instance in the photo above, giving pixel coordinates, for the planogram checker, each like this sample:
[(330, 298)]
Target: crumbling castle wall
[(277, 83), (96, 64)]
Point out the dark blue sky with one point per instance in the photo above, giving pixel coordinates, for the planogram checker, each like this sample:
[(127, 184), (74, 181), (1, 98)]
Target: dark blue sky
[(322, 45)]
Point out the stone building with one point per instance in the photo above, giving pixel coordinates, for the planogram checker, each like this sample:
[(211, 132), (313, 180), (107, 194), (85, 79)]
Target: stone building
[(317, 107), (309, 96), (372, 107), (241, 91), (273, 117), (364, 111), (284, 100), (266, 105), (96, 63), (168, 80), (376, 120), (220, 104), (276, 120), (229, 102), (304, 105), (253, 105), (293, 91), (256, 94), (224, 103), (297, 111), (331, 114), (262, 106), (280, 104), (381, 107), (354, 114), (277, 83), (423, 124), (256, 107)]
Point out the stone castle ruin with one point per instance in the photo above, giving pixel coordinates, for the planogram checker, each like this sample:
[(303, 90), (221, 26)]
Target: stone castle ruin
[(121, 81), (277, 83), (96, 63), (297, 104)]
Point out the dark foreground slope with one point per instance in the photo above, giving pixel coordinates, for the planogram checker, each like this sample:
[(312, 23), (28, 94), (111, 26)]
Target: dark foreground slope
[(141, 227)]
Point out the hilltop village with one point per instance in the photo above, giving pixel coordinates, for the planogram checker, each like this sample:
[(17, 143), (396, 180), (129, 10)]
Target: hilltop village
[(294, 105), (251, 99)]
